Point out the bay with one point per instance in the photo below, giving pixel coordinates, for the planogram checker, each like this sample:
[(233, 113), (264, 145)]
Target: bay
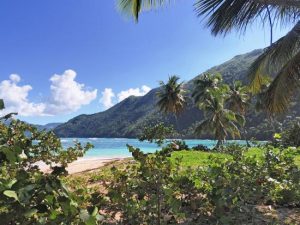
[(116, 147)]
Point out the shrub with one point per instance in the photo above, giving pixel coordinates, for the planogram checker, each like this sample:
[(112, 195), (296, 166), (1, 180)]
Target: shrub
[(157, 133), (201, 148), (291, 136), (178, 145), (243, 180), (29, 196), (151, 192)]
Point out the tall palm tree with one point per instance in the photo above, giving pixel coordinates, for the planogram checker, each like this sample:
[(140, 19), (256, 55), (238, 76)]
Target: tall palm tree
[(171, 97), (219, 121), (237, 101), (281, 59)]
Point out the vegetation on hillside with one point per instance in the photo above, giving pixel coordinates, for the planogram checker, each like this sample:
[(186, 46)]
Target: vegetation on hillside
[(129, 117), (281, 58)]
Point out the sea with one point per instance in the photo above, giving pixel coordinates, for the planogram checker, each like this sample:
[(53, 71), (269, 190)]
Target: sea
[(116, 147)]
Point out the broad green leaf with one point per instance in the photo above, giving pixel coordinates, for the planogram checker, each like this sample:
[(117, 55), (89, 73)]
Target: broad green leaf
[(91, 221), (10, 155), (95, 211), (30, 212), (11, 194)]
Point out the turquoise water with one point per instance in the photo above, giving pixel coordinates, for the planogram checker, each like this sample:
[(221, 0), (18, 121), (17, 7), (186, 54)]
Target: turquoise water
[(116, 147)]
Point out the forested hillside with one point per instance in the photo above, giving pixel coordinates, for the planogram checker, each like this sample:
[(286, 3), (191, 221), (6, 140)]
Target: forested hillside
[(127, 118)]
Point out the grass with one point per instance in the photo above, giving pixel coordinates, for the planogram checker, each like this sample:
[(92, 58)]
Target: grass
[(194, 158), (197, 158)]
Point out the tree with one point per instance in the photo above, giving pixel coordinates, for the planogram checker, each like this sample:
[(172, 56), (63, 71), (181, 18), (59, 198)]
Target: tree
[(171, 97), (237, 101), (281, 59), (219, 121)]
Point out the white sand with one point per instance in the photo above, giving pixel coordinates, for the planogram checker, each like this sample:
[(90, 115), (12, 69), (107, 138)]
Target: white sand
[(82, 164)]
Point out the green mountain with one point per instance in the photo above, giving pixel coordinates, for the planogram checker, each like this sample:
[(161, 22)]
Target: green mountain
[(129, 117), (47, 127)]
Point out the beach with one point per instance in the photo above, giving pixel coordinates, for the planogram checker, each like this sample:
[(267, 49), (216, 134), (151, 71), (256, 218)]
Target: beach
[(82, 164)]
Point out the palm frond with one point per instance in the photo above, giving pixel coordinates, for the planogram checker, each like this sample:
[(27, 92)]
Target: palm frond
[(204, 125), (282, 89), (171, 98), (225, 15), (274, 58), (134, 7)]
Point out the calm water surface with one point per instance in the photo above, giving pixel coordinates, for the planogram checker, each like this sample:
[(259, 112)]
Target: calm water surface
[(116, 147)]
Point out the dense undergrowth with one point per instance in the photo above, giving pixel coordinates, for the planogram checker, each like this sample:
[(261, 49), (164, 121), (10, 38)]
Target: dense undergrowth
[(171, 186), (192, 187)]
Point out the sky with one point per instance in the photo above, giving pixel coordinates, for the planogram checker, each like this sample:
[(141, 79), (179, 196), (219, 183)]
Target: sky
[(63, 58)]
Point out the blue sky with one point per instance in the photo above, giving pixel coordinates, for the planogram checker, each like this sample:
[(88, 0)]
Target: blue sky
[(88, 42)]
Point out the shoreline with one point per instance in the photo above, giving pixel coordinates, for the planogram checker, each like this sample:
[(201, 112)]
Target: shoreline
[(83, 164)]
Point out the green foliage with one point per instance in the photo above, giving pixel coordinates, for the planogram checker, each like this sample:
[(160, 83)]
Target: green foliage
[(200, 147), (29, 196), (171, 96), (131, 116), (244, 180), (185, 188), (211, 95), (178, 145), (157, 133), (291, 136), (151, 192)]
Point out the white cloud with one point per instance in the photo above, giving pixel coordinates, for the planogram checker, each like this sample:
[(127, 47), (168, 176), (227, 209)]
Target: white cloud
[(133, 91), (106, 99), (16, 98), (67, 95), (15, 78)]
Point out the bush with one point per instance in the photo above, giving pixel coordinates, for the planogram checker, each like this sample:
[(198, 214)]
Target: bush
[(233, 184), (178, 145), (150, 192), (232, 149), (29, 196), (201, 148), (153, 191), (291, 136)]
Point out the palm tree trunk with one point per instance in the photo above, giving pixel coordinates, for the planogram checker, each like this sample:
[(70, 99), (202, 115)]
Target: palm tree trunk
[(245, 137), (219, 143)]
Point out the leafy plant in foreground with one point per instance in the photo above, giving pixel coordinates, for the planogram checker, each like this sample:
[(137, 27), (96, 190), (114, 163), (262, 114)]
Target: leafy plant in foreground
[(29, 196)]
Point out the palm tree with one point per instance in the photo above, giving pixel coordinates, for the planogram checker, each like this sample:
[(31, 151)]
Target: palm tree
[(171, 97), (237, 101), (219, 121), (238, 97), (281, 59), (203, 85)]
